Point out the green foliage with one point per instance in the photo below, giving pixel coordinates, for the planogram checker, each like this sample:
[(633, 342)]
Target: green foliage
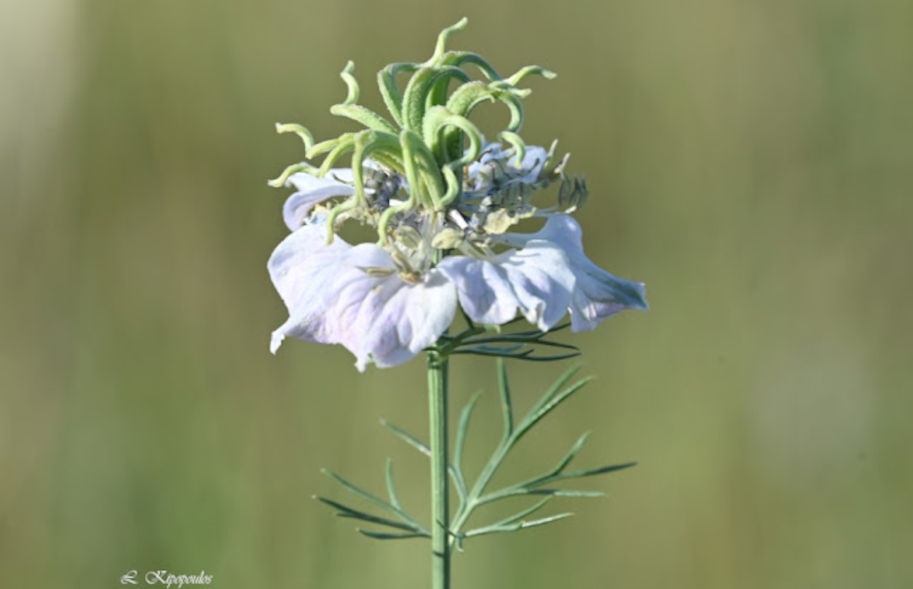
[(470, 497), (489, 340)]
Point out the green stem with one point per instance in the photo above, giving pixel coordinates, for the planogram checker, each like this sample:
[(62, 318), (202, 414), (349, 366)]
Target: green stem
[(440, 508)]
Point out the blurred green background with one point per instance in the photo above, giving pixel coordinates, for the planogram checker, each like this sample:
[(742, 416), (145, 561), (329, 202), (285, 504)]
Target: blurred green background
[(751, 161)]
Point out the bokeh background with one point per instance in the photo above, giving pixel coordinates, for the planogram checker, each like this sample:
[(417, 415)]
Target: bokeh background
[(750, 160)]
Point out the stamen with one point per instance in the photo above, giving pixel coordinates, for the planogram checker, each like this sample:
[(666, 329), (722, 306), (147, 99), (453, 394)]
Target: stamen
[(458, 219)]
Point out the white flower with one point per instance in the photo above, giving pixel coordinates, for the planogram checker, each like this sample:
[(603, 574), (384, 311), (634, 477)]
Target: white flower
[(357, 296), (352, 295), (444, 204)]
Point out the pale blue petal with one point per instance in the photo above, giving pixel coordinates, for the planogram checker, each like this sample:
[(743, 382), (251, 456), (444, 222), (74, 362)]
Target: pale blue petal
[(596, 294), (333, 298), (484, 289), (385, 319), (312, 190), (534, 281), (533, 161), (493, 155), (304, 269), (491, 152)]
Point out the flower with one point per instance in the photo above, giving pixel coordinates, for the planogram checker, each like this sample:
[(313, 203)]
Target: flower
[(352, 295), (358, 296), (444, 204)]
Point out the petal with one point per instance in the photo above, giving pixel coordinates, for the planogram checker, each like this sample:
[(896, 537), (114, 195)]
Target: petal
[(533, 161), (312, 190), (484, 289), (303, 268), (385, 319), (597, 294), (333, 298), (536, 281), (494, 157)]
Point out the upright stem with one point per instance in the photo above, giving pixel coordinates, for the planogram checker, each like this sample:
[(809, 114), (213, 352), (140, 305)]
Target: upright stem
[(440, 489)]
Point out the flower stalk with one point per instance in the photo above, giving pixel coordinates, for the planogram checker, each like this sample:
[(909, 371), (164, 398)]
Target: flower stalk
[(440, 490)]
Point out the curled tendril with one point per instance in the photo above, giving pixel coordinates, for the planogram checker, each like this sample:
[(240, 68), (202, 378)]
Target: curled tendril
[(343, 207), (365, 116), (280, 180), (530, 70), (351, 83), (299, 130), (442, 39), (461, 58), (516, 142), (427, 135), (421, 87), (344, 144)]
